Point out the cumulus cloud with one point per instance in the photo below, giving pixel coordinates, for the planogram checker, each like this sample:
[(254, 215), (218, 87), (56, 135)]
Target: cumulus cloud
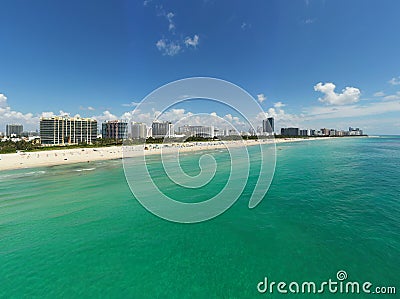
[(179, 117), (192, 42), (63, 113), (168, 47), (47, 114), (281, 117), (349, 95), (395, 81), (138, 116), (3, 100), (7, 115), (261, 97), (105, 116)]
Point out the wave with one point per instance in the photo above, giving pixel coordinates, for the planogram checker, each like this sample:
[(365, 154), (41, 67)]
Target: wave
[(19, 175), (85, 169)]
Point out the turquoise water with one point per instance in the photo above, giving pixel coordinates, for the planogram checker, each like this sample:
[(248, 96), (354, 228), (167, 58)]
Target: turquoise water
[(76, 231)]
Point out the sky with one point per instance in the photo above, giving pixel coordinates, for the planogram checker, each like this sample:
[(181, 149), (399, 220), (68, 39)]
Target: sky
[(308, 63)]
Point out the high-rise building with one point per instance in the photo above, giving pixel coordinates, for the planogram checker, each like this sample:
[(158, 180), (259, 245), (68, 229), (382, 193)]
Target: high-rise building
[(162, 129), (325, 131), (62, 130), (355, 132), (290, 131), (304, 132), (14, 129), (139, 130), (197, 131), (268, 125), (114, 129), (340, 133), (252, 132)]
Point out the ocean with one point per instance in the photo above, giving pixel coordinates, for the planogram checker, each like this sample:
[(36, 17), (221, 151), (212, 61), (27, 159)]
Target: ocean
[(77, 231)]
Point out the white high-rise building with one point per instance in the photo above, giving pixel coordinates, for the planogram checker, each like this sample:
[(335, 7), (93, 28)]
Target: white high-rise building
[(14, 129), (61, 130), (139, 130), (162, 129)]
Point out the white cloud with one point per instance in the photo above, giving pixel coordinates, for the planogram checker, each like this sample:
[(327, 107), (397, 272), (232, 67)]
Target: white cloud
[(393, 97), (309, 21), (395, 81), (168, 47), (180, 117), (349, 95), (106, 115), (3, 100), (375, 108), (7, 115), (47, 114), (63, 113), (170, 44), (193, 42), (175, 115), (261, 97), (146, 2), (171, 24), (245, 26), (138, 116), (10, 116), (90, 108), (379, 94), (279, 105), (131, 104), (282, 119)]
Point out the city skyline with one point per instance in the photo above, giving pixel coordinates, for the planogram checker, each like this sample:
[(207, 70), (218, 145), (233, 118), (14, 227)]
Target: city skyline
[(307, 63), (130, 129)]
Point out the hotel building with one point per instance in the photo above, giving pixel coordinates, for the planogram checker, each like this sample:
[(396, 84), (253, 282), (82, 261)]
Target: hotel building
[(290, 131), (139, 130), (268, 125), (162, 129), (114, 129), (65, 130), (14, 129)]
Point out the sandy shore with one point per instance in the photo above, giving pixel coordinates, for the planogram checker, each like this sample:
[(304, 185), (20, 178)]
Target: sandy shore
[(82, 155)]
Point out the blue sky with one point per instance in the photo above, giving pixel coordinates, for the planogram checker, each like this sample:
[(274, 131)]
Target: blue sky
[(93, 58)]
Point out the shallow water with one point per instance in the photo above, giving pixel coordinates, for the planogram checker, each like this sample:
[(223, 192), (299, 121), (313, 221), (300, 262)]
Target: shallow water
[(77, 230)]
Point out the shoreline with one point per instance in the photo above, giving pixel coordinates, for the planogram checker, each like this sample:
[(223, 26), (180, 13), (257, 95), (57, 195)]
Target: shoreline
[(27, 160)]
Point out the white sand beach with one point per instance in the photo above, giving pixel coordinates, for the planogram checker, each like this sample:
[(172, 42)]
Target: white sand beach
[(86, 155)]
